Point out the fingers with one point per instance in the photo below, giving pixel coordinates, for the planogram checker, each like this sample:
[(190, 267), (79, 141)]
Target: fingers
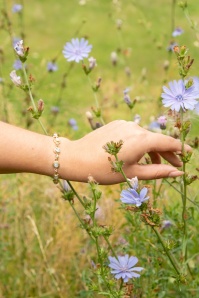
[(155, 157), (162, 143), (153, 171), (172, 158)]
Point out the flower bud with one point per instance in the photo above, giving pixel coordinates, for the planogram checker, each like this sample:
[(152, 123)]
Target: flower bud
[(15, 79), (40, 105), (92, 62), (89, 115), (114, 58)]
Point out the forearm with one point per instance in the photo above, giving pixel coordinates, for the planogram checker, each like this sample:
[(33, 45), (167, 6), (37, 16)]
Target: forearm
[(25, 151)]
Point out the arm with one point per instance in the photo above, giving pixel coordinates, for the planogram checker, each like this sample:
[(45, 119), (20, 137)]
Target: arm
[(25, 151)]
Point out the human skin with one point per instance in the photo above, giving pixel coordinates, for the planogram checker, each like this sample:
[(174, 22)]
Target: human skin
[(25, 151)]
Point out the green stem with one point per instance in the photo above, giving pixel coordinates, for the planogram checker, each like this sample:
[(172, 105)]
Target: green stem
[(28, 85), (173, 15), (31, 97), (110, 247), (184, 196), (76, 194), (96, 100), (123, 174), (180, 192), (170, 256), (80, 220)]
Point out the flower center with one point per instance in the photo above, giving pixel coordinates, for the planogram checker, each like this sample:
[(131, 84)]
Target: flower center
[(179, 97), (77, 52), (124, 268)]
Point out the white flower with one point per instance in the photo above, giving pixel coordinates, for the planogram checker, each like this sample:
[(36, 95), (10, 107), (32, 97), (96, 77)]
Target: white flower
[(92, 62), (15, 78), (133, 182), (19, 48), (114, 58)]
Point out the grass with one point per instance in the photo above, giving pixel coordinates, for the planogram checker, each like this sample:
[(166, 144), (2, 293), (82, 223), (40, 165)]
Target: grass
[(29, 203)]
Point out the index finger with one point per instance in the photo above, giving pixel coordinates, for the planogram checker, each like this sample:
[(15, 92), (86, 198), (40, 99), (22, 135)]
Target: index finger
[(161, 143)]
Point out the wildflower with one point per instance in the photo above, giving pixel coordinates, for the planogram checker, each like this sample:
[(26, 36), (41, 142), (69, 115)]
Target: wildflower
[(17, 8), (171, 46), (123, 267), (177, 32), (131, 196), (19, 48), (166, 224), (197, 108), (114, 58), (92, 62), (162, 120), (137, 118), (17, 64), (178, 96), (77, 49), (133, 182), (154, 126), (73, 123), (15, 79), (54, 110), (1, 80), (52, 67), (166, 64), (119, 24), (15, 40)]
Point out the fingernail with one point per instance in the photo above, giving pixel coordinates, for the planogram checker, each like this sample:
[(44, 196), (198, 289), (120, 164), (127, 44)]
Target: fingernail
[(176, 174)]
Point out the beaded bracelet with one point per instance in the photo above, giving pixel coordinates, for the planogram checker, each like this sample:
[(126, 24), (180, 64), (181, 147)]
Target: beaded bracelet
[(56, 163)]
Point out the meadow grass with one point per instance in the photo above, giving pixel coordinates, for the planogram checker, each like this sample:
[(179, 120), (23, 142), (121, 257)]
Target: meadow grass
[(43, 251)]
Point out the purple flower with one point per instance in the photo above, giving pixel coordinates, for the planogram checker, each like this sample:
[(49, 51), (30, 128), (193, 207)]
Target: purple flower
[(178, 96), (17, 8), (54, 110), (17, 64), (171, 46), (77, 49), (123, 267), (73, 123), (197, 108), (154, 125), (52, 67), (162, 120), (131, 196), (166, 224), (177, 32), (15, 40)]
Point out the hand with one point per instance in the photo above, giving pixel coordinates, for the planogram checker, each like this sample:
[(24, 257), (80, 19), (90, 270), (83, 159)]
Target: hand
[(86, 156)]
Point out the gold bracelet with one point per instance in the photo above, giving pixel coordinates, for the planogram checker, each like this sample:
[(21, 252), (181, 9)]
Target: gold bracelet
[(56, 163)]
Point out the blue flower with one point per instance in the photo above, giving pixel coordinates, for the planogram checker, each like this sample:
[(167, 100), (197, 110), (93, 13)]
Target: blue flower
[(177, 32), (17, 8), (17, 64), (77, 49), (73, 123), (51, 66), (171, 46), (123, 267), (131, 196), (178, 96)]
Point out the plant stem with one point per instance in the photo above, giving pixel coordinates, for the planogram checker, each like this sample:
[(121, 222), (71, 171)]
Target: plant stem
[(170, 256), (31, 97), (184, 195)]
